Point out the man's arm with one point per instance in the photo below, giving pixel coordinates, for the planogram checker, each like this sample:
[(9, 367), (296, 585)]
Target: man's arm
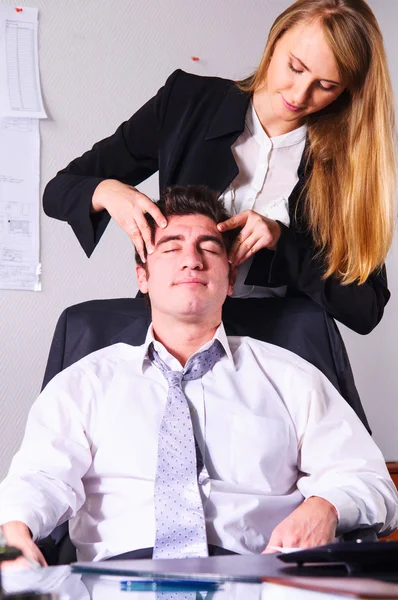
[(44, 485), (342, 472), (341, 463)]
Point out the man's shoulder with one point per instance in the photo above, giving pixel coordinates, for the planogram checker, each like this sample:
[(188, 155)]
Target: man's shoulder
[(110, 356), (100, 364), (246, 347)]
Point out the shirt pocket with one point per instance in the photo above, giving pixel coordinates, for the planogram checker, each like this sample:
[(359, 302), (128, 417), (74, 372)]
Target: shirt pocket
[(259, 447)]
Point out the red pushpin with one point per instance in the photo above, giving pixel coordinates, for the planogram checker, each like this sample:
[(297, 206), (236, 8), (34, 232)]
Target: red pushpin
[(195, 58), (19, 9)]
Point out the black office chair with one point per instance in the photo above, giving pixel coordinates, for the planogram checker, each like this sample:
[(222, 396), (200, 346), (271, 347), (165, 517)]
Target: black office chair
[(297, 324)]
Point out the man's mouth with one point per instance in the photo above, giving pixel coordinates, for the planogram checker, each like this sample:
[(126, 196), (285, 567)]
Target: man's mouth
[(190, 281)]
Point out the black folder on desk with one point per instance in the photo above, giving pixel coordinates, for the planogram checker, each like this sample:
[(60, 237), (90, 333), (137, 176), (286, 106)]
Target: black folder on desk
[(358, 556), (375, 557)]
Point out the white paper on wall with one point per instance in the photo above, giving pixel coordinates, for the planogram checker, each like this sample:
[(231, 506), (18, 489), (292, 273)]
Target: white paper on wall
[(20, 93), (21, 106), (19, 204)]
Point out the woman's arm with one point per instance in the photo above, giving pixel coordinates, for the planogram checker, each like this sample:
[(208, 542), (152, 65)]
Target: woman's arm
[(359, 307), (128, 156)]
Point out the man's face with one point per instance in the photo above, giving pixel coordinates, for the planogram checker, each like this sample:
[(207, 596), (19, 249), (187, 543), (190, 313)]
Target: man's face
[(188, 274)]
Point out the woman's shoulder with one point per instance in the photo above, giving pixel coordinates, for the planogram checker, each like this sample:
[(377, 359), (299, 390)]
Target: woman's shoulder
[(193, 83)]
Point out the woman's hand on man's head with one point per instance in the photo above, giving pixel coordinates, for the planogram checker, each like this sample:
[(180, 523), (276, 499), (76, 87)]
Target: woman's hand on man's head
[(127, 206), (257, 232)]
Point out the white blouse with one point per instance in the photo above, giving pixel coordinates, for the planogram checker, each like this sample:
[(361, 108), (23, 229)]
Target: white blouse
[(267, 175)]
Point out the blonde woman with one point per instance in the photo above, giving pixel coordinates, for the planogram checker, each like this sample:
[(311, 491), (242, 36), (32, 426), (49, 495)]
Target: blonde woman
[(302, 153)]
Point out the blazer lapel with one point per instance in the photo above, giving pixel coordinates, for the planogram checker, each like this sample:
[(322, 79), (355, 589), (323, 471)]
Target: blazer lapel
[(202, 155), (229, 119), (228, 123)]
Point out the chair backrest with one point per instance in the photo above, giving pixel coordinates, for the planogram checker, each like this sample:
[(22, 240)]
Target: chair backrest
[(297, 324)]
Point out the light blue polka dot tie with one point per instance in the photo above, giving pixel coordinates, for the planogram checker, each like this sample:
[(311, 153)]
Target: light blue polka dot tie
[(179, 515)]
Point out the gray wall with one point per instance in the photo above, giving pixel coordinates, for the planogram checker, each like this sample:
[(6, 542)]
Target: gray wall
[(100, 61)]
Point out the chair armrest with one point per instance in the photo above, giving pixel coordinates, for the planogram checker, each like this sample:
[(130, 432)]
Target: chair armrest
[(367, 534)]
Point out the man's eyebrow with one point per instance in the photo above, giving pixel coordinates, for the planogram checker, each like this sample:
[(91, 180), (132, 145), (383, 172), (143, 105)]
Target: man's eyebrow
[(200, 240), (307, 69), (211, 238), (169, 238)]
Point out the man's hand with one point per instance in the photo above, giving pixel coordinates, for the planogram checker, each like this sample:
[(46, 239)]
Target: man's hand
[(313, 523), (17, 534)]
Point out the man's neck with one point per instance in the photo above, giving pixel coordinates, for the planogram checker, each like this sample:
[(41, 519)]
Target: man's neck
[(183, 338)]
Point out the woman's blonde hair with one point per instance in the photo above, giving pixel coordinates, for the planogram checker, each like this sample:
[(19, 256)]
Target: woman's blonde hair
[(350, 193)]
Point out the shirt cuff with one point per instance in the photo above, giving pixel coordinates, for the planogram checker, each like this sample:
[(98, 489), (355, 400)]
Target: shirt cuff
[(13, 513), (348, 514)]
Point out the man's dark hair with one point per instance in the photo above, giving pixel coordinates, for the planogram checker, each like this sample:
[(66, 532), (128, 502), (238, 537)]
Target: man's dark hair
[(191, 200)]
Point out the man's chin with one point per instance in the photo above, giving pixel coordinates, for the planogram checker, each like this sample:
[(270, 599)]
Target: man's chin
[(192, 311)]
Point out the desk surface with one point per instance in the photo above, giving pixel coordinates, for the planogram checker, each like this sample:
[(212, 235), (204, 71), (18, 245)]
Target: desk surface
[(217, 574), (76, 586)]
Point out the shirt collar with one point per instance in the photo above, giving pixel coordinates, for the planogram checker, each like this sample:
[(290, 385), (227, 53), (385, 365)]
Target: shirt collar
[(279, 141), (219, 335)]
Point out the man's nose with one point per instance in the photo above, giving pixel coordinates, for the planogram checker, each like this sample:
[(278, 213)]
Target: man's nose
[(192, 259)]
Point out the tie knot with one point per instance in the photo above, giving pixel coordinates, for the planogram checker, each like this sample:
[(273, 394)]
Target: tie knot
[(174, 378), (195, 368)]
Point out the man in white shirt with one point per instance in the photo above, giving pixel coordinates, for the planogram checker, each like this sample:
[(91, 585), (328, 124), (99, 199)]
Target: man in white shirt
[(287, 462)]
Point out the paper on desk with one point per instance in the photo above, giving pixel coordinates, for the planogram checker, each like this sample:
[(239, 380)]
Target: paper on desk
[(20, 94), (325, 588), (284, 549), (19, 204)]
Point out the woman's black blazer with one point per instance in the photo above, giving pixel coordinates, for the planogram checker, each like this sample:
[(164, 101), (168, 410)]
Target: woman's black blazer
[(185, 132)]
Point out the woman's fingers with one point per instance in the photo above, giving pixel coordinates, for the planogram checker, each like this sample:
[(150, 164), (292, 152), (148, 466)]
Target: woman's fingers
[(150, 207), (238, 220), (258, 232), (247, 248), (134, 233), (127, 206), (144, 235)]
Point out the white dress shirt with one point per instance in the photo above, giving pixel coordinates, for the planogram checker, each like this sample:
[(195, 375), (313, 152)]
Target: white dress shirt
[(267, 175), (272, 429)]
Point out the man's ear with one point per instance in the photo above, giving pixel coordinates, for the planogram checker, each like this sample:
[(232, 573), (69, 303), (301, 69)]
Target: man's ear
[(142, 278), (233, 271)]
